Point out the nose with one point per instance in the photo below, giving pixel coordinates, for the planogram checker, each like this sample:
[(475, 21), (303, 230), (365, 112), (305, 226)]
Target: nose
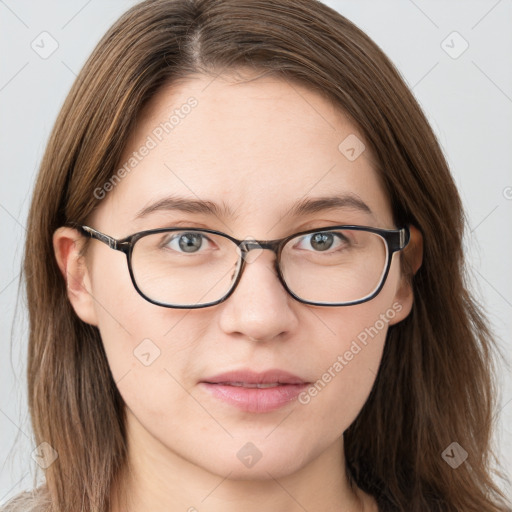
[(260, 308)]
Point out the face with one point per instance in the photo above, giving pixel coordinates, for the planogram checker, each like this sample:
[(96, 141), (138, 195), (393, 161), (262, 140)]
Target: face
[(256, 148)]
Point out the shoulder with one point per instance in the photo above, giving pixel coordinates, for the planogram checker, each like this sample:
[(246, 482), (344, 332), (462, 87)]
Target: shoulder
[(27, 501)]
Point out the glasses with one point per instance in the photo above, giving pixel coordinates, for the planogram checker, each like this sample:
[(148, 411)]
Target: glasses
[(197, 268)]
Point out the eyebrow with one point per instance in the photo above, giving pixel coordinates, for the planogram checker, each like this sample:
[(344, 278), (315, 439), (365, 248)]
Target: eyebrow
[(187, 205), (320, 204), (301, 208)]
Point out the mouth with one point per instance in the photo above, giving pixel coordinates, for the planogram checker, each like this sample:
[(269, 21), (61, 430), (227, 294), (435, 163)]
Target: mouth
[(255, 392), (249, 384)]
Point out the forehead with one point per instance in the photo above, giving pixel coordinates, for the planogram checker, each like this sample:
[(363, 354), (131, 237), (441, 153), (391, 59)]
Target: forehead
[(256, 147)]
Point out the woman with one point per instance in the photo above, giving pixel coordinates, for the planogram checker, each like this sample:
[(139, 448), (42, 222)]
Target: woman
[(281, 330)]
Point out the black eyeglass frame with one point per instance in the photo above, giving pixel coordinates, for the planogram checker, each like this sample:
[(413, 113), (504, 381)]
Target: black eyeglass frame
[(396, 240)]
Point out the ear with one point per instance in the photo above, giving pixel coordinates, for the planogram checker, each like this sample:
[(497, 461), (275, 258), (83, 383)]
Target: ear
[(67, 243), (413, 255)]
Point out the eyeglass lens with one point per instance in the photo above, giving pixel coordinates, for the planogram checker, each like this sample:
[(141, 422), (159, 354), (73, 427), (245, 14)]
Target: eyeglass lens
[(194, 267)]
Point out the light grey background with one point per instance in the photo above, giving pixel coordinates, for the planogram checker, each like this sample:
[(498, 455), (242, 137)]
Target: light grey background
[(467, 98)]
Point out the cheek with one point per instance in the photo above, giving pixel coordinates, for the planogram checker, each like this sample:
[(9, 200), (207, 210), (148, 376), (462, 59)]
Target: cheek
[(151, 352), (347, 371), (144, 343), (348, 359)]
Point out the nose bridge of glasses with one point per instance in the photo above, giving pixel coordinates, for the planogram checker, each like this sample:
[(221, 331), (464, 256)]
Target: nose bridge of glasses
[(250, 245), (250, 249)]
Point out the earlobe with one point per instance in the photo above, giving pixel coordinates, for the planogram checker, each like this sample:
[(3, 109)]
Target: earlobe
[(413, 255), (67, 243)]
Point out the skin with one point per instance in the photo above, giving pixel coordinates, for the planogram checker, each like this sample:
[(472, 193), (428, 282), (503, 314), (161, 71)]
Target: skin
[(258, 147)]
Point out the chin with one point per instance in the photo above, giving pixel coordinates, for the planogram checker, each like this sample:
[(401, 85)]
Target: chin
[(247, 460)]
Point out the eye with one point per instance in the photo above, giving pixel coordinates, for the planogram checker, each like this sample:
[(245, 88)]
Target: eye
[(323, 241), (189, 242)]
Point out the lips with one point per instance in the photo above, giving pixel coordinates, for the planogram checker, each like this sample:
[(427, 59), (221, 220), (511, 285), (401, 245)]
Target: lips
[(250, 377), (255, 392), (250, 385)]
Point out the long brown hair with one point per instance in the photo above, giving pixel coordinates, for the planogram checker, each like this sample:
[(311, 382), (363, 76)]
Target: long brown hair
[(435, 384)]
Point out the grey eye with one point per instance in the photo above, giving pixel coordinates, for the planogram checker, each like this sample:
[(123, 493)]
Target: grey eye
[(186, 242), (321, 241)]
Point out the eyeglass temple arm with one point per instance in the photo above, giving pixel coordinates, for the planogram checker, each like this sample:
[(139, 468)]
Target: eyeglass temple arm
[(92, 233), (405, 237)]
